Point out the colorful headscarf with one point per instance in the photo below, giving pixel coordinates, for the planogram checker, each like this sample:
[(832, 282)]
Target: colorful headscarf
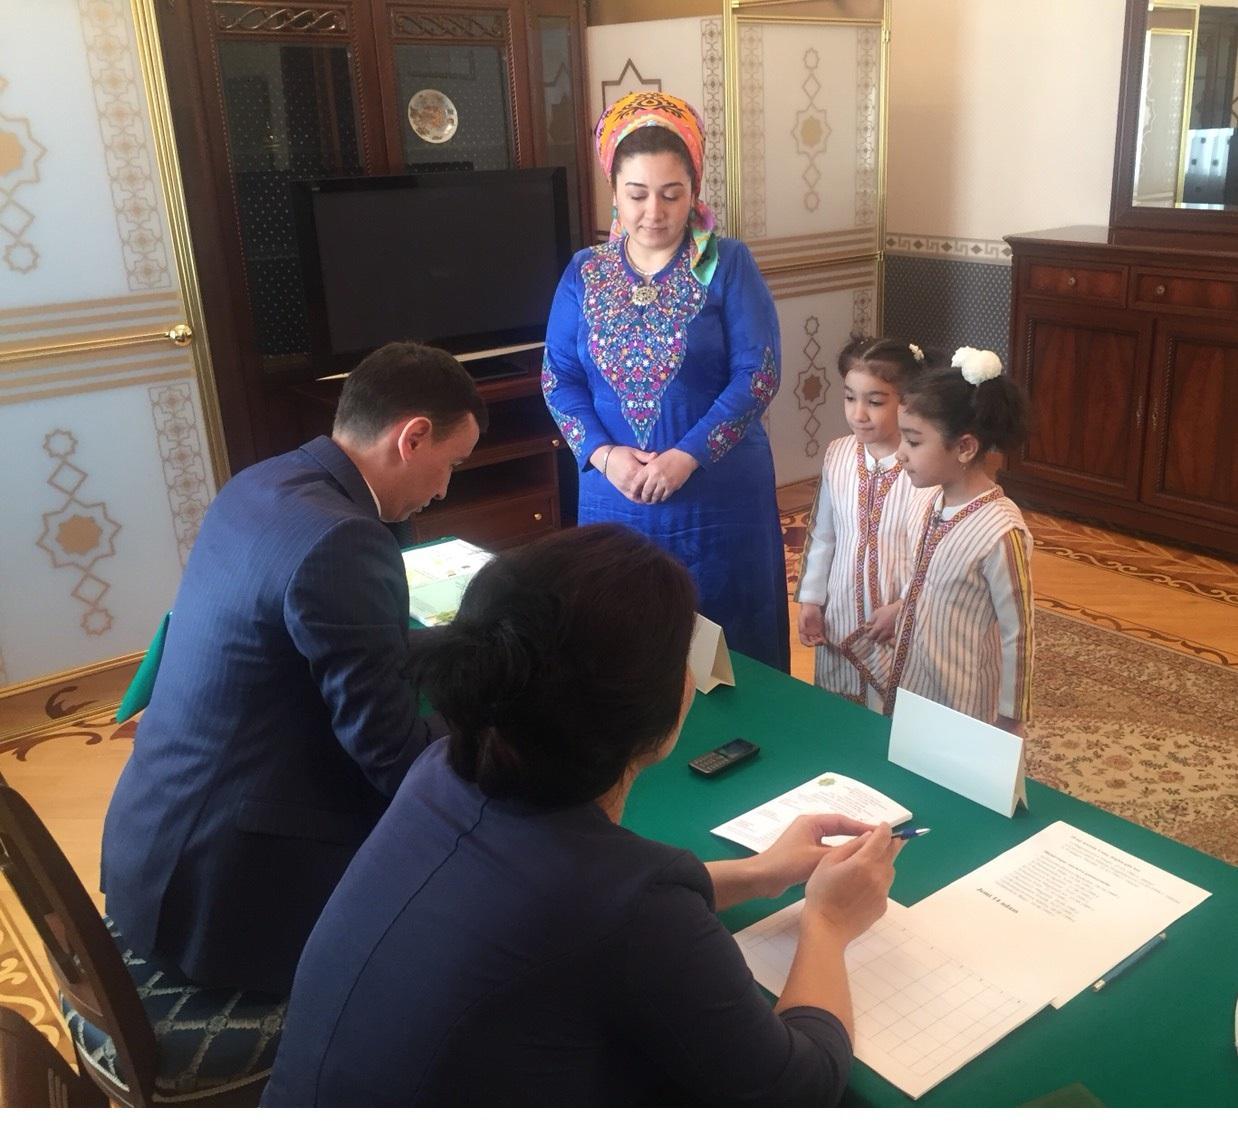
[(654, 108)]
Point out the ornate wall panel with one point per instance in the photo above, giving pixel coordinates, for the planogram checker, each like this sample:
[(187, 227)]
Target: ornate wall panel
[(817, 310), (808, 173), (809, 155), (104, 458)]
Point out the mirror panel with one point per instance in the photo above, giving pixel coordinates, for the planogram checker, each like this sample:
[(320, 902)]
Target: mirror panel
[(1188, 108)]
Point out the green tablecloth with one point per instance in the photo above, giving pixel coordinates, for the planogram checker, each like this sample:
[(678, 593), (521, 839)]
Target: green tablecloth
[(1161, 1035)]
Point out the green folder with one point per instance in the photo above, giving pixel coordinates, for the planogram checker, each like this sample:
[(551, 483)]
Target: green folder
[(137, 696)]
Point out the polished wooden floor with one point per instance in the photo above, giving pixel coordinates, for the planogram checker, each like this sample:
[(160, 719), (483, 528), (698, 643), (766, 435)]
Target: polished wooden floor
[(1179, 599)]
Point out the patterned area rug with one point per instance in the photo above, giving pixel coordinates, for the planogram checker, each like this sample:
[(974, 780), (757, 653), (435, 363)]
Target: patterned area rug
[(1137, 729), (1121, 721)]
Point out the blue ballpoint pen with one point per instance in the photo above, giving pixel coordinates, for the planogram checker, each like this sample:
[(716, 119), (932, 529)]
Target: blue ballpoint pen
[(909, 833), (1129, 961)]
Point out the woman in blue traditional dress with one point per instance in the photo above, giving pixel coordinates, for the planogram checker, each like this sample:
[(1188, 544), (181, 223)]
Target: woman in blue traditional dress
[(662, 352)]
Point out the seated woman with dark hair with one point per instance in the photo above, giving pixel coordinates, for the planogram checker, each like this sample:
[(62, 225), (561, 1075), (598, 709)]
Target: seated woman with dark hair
[(501, 939)]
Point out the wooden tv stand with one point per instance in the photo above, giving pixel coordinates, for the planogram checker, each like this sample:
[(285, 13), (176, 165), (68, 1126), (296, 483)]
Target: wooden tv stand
[(507, 492)]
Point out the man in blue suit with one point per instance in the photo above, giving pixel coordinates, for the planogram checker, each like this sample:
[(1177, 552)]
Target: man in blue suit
[(281, 721)]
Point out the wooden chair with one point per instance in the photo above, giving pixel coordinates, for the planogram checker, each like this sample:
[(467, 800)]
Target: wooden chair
[(145, 1035), (34, 1074)]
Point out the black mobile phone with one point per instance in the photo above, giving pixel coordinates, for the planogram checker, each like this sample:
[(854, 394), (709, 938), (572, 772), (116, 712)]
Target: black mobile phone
[(722, 758)]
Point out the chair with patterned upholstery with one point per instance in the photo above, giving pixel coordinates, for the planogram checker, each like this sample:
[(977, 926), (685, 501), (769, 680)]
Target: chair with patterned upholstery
[(147, 1036), (34, 1074)]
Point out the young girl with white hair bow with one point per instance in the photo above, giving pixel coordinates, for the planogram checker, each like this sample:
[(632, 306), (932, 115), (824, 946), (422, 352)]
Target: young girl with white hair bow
[(964, 630)]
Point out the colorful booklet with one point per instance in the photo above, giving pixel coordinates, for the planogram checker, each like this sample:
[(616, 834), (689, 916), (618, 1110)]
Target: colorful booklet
[(437, 576), (829, 792)]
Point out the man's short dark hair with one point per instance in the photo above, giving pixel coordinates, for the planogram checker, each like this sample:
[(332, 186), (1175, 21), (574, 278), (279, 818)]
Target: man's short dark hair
[(406, 380)]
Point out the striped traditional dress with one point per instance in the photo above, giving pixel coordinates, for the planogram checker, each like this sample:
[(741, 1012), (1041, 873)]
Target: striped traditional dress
[(858, 556), (964, 635)]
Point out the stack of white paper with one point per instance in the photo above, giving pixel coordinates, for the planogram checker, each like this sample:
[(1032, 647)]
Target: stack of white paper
[(936, 984), (831, 792), (1062, 903)]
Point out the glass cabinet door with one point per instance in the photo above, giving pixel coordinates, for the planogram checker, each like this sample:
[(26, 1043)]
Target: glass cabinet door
[(450, 86), (290, 113), (561, 135), (454, 102)]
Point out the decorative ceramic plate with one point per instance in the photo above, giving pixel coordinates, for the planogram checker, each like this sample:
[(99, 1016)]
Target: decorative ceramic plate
[(432, 115)]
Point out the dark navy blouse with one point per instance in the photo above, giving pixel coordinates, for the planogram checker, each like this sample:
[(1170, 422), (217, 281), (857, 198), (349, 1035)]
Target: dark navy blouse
[(479, 951)]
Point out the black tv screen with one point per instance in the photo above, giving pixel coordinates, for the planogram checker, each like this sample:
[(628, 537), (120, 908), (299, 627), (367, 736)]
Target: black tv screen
[(465, 261)]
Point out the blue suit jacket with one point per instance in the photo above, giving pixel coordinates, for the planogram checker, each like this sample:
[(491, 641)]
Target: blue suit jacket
[(280, 724)]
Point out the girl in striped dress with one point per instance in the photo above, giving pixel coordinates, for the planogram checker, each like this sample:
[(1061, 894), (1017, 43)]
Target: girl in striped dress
[(858, 553), (964, 631)]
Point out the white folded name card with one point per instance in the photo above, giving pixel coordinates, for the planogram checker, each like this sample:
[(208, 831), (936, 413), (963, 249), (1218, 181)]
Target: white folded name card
[(708, 656), (960, 753)]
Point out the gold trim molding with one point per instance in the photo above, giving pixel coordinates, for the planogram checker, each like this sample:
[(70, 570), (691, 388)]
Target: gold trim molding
[(151, 56), (44, 350)]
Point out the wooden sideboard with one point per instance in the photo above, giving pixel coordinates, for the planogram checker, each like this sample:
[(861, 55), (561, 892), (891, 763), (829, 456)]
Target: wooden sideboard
[(1127, 345)]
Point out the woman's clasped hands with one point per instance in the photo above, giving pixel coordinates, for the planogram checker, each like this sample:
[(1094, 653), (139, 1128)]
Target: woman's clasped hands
[(641, 476), (846, 884)]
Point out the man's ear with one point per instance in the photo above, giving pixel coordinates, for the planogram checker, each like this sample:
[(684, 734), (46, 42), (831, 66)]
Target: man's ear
[(414, 432)]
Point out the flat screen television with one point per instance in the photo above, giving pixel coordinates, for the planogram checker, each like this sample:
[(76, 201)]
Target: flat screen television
[(466, 261)]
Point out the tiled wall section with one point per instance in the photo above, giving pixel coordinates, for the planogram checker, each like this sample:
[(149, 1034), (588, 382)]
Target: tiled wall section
[(948, 303)]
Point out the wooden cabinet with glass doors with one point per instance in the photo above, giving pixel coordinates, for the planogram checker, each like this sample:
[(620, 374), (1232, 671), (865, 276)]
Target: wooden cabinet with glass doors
[(266, 94)]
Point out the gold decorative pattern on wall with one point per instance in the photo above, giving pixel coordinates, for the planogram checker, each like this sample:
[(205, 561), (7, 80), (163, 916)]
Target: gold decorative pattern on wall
[(863, 306), (713, 110), (823, 279), (20, 154), (630, 79), (88, 320), (812, 384), (122, 115), (811, 131), (777, 252), (752, 128), (79, 533), (184, 469), (99, 369), (949, 247), (867, 98), (251, 17)]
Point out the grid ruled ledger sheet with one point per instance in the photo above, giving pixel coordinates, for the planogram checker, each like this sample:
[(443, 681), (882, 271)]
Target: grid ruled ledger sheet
[(921, 1011)]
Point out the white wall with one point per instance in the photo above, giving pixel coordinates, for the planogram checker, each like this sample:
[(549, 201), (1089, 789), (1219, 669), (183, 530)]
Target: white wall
[(1002, 115)]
